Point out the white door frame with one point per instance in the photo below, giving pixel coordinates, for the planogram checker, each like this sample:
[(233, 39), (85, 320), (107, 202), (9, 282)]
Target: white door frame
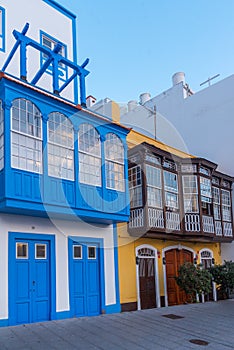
[(164, 250), (155, 257)]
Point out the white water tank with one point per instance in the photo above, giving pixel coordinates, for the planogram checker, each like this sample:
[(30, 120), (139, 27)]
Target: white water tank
[(178, 78), (144, 97), (132, 105)]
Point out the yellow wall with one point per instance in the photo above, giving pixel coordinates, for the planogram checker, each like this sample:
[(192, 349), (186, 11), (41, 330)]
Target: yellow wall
[(127, 260)]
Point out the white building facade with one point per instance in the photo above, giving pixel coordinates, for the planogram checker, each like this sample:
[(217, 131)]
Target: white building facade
[(199, 123), (63, 175)]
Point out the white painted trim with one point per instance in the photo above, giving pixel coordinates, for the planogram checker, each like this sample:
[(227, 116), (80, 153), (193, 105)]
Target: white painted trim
[(179, 247), (214, 291), (157, 291), (204, 250)]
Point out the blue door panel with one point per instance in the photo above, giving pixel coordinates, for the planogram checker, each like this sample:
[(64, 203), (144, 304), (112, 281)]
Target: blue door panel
[(93, 277), (41, 311), (22, 281), (42, 276), (85, 293), (31, 283), (22, 312), (93, 305)]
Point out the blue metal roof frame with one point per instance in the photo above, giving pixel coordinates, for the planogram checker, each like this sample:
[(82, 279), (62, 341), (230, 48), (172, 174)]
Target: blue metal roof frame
[(53, 57)]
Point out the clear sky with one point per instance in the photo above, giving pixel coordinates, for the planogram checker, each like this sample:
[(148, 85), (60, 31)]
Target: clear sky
[(136, 46)]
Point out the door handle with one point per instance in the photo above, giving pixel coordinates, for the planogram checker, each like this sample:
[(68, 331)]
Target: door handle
[(33, 283)]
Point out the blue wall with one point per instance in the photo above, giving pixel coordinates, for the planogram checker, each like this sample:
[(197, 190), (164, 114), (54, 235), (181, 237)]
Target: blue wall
[(39, 194)]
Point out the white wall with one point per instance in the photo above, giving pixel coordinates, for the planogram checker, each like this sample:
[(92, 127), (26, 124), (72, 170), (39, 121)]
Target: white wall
[(201, 124), (40, 16), (61, 230)]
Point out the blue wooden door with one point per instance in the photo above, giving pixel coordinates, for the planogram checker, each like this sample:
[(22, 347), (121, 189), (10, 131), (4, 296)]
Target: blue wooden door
[(31, 282), (85, 269)]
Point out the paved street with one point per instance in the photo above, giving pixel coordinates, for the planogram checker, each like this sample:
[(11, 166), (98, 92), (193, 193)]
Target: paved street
[(149, 329)]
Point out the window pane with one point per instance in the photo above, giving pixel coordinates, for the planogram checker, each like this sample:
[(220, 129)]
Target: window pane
[(77, 252), (114, 148), (26, 140), (60, 146), (114, 162), (40, 251), (153, 176), (21, 250), (171, 200), (205, 185), (190, 193), (92, 252), (154, 196), (170, 182), (89, 140)]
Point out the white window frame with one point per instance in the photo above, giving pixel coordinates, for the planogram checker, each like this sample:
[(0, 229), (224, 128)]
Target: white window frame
[(226, 205), (216, 203), (40, 258), (26, 147), (205, 190), (16, 252), (154, 190), (170, 191), (81, 251), (135, 186), (190, 193), (60, 146), (53, 42), (95, 250), (89, 155), (114, 162)]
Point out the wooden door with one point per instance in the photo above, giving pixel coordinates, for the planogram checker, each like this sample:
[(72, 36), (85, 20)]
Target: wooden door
[(175, 258), (147, 283)]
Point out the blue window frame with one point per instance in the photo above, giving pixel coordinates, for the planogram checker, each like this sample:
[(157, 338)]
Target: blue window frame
[(2, 29), (50, 42)]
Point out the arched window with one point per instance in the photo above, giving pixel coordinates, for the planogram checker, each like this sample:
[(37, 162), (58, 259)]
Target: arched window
[(1, 136), (206, 258), (89, 155), (60, 146), (114, 160), (26, 136)]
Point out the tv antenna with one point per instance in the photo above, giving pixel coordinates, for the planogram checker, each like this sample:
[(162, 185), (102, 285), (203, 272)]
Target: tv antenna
[(209, 80)]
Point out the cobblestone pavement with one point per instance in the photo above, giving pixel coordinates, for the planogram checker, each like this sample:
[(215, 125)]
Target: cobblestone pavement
[(148, 329)]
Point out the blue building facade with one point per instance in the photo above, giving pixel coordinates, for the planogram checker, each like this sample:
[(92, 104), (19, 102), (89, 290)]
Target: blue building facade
[(63, 175)]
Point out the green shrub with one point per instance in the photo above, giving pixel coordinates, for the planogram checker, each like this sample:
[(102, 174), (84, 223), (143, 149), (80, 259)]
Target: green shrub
[(193, 279), (223, 275)]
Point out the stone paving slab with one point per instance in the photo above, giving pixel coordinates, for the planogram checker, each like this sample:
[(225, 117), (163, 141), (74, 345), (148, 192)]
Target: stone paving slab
[(147, 329)]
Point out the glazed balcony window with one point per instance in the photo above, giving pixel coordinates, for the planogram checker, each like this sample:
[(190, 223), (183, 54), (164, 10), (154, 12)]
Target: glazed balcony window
[(135, 186), (114, 162), (206, 195), (89, 155), (171, 190), (226, 205), (154, 186), (60, 146), (26, 136), (190, 193), (216, 203)]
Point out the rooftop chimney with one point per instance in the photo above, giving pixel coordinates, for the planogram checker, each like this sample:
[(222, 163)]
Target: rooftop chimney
[(144, 97), (178, 78), (90, 101)]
